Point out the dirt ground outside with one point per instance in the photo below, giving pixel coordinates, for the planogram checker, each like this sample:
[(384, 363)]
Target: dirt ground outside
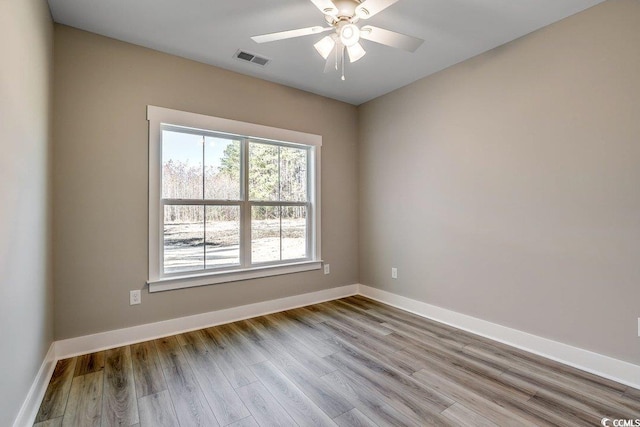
[(185, 249)]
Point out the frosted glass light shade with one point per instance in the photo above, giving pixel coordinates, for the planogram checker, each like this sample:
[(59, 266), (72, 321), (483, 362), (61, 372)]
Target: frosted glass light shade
[(355, 52), (325, 46)]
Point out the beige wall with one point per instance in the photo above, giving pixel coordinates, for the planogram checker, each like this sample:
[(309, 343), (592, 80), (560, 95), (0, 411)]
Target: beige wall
[(26, 46), (508, 186), (101, 173)]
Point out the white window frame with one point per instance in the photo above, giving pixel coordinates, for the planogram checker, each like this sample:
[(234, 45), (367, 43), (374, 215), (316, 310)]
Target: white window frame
[(158, 280)]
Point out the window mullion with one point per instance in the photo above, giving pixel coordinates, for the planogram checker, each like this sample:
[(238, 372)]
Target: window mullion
[(311, 207), (275, 203), (280, 196), (204, 208), (309, 231), (206, 202), (245, 211), (280, 213)]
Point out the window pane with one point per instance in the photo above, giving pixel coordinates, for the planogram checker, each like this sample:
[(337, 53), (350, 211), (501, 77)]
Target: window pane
[(265, 234), (222, 236), (293, 174), (263, 171), (294, 232), (222, 168), (183, 238), (181, 165)]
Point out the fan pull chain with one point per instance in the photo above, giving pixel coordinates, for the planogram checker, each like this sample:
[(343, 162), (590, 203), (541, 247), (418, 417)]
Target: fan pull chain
[(343, 63)]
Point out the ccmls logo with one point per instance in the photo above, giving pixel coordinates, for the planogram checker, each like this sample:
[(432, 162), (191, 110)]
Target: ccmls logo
[(606, 422)]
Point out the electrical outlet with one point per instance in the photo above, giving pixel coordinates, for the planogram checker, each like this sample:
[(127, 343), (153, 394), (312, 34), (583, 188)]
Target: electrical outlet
[(135, 297), (327, 269), (394, 273)]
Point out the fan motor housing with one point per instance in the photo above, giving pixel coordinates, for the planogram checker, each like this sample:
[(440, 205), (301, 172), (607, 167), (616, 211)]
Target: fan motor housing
[(346, 10)]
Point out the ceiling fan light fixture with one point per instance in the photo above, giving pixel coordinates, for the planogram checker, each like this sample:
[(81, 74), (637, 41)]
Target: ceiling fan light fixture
[(349, 35), (325, 46), (355, 52), (344, 39)]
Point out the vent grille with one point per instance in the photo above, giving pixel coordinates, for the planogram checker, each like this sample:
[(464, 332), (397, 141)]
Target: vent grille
[(250, 57)]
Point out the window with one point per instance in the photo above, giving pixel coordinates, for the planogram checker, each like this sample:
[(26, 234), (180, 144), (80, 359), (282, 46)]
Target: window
[(229, 200)]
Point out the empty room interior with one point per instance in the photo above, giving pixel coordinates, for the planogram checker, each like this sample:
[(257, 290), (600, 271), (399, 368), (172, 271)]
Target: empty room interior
[(320, 212)]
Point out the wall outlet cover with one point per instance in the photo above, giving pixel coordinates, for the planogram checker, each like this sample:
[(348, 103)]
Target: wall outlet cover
[(135, 297), (327, 269)]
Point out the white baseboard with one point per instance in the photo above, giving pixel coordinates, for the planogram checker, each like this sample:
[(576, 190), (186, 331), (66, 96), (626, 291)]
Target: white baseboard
[(111, 339), (119, 337), (607, 367), (598, 364), (31, 404)]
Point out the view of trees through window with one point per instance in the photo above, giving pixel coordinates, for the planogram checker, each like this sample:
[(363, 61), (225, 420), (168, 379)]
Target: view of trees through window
[(202, 179)]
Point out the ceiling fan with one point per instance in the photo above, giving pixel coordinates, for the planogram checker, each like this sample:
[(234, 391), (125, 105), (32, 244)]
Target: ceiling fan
[(343, 17)]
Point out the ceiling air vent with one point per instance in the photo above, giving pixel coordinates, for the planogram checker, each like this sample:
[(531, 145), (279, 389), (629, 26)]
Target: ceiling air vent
[(250, 57)]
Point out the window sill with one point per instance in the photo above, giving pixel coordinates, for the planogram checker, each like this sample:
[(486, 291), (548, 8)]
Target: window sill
[(180, 282)]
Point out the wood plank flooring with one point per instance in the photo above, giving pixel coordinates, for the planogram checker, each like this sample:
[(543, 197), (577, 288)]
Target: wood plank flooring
[(350, 362)]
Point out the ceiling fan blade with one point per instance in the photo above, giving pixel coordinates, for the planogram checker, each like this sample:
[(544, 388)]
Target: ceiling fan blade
[(264, 38), (326, 6), (355, 52), (368, 8), (390, 38)]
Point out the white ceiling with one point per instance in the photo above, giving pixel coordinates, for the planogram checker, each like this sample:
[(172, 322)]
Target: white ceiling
[(211, 31)]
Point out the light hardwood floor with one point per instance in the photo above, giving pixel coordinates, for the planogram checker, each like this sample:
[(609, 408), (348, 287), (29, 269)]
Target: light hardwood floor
[(350, 362)]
